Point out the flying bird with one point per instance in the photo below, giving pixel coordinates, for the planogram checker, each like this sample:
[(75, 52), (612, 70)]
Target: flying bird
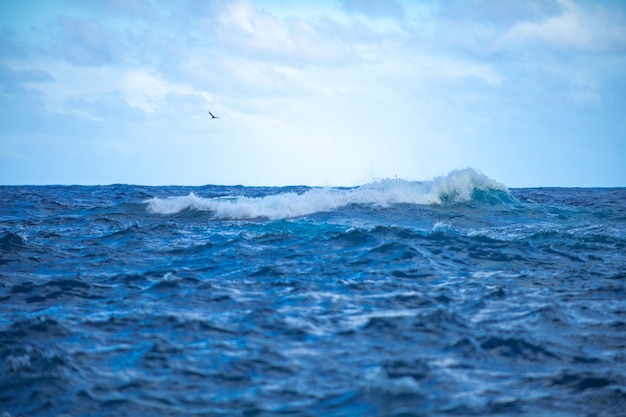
[(212, 116)]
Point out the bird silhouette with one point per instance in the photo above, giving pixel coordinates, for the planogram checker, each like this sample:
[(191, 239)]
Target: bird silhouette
[(212, 116)]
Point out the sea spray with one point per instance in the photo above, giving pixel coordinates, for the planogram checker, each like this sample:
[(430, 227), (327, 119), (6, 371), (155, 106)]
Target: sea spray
[(457, 187)]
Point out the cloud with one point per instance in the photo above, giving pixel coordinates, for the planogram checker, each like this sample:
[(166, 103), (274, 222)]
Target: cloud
[(588, 28), (86, 42), (503, 13), (491, 29), (15, 80), (334, 92), (375, 8), (153, 94), (247, 30), (142, 9), (144, 90), (21, 100), (10, 46)]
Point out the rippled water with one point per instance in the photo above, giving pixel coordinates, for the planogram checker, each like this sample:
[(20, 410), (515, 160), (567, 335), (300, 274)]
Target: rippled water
[(395, 299)]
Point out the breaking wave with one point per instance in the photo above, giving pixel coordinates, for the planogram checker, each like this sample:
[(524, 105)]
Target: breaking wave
[(459, 186)]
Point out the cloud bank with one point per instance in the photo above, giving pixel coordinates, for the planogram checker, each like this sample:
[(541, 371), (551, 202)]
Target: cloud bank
[(330, 93)]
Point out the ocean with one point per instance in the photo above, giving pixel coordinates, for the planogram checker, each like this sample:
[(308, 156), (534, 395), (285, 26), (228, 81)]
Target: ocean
[(450, 297)]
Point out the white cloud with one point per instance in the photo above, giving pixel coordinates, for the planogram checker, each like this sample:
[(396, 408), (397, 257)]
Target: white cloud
[(375, 8), (87, 91), (147, 91), (445, 67), (86, 42), (265, 36), (593, 28)]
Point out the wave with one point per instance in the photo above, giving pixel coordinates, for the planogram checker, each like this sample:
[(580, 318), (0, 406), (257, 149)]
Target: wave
[(458, 186)]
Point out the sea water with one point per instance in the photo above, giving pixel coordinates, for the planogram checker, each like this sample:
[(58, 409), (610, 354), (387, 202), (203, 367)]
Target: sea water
[(450, 297)]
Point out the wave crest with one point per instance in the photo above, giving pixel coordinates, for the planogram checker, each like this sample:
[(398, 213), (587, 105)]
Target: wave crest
[(459, 186)]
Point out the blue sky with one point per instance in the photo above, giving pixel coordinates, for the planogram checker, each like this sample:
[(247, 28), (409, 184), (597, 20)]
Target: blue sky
[(327, 92)]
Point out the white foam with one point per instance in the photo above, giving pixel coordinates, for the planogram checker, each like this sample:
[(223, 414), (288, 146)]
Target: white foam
[(457, 186)]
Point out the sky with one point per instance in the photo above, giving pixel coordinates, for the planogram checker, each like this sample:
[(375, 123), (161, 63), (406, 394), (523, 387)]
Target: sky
[(326, 92)]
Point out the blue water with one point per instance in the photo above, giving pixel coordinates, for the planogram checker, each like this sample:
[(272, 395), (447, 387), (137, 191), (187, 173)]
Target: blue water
[(451, 297)]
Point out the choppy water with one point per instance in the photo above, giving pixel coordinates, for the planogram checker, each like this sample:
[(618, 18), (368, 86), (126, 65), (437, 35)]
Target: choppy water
[(451, 297)]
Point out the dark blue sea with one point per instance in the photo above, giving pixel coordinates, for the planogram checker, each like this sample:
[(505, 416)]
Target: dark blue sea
[(450, 297)]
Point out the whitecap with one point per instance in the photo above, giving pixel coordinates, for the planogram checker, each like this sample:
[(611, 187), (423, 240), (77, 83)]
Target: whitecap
[(456, 187)]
